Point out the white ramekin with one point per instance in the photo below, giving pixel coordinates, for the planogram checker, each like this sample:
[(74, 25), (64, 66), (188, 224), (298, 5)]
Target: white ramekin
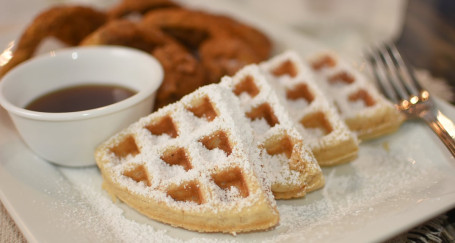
[(70, 138)]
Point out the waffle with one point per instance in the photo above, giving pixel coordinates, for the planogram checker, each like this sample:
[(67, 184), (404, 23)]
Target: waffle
[(315, 117), (289, 163), (190, 165), (362, 107)]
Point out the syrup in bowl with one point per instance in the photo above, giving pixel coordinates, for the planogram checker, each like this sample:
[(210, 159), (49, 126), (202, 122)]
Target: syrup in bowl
[(80, 98)]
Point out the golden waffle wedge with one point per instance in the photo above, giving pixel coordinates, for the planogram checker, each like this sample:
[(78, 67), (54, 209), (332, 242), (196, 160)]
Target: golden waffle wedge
[(190, 165), (314, 115), (362, 107), (289, 163)]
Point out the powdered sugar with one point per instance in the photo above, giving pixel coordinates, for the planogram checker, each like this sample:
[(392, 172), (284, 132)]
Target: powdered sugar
[(273, 127), (315, 133), (260, 128), (277, 170), (357, 99), (229, 194), (315, 103), (357, 105), (356, 194), (215, 155), (182, 150), (296, 106)]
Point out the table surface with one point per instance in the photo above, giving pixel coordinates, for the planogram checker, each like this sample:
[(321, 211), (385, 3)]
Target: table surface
[(427, 41)]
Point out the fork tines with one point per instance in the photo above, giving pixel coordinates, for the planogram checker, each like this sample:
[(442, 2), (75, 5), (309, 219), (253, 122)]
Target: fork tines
[(395, 78), (398, 82)]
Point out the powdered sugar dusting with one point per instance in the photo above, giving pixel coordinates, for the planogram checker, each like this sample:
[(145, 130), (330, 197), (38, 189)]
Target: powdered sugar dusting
[(358, 186), (352, 97), (316, 133), (301, 108), (112, 217), (278, 170), (378, 183), (296, 106), (213, 137), (260, 128), (354, 191), (274, 123)]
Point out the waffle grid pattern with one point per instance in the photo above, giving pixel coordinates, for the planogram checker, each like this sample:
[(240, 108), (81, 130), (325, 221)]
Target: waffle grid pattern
[(313, 113), (289, 163)]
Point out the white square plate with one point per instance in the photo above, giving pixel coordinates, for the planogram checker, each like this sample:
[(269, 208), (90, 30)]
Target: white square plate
[(397, 182)]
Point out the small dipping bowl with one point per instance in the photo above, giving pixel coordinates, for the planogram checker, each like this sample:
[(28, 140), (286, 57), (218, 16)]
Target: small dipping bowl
[(70, 138)]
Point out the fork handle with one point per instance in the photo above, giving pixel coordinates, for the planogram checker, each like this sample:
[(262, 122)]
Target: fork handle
[(443, 127)]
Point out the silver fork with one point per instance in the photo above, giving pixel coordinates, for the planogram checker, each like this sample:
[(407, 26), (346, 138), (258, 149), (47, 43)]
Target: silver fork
[(397, 81)]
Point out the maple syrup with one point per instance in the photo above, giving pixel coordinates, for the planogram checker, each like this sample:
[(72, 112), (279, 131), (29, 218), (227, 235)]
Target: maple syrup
[(79, 98)]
